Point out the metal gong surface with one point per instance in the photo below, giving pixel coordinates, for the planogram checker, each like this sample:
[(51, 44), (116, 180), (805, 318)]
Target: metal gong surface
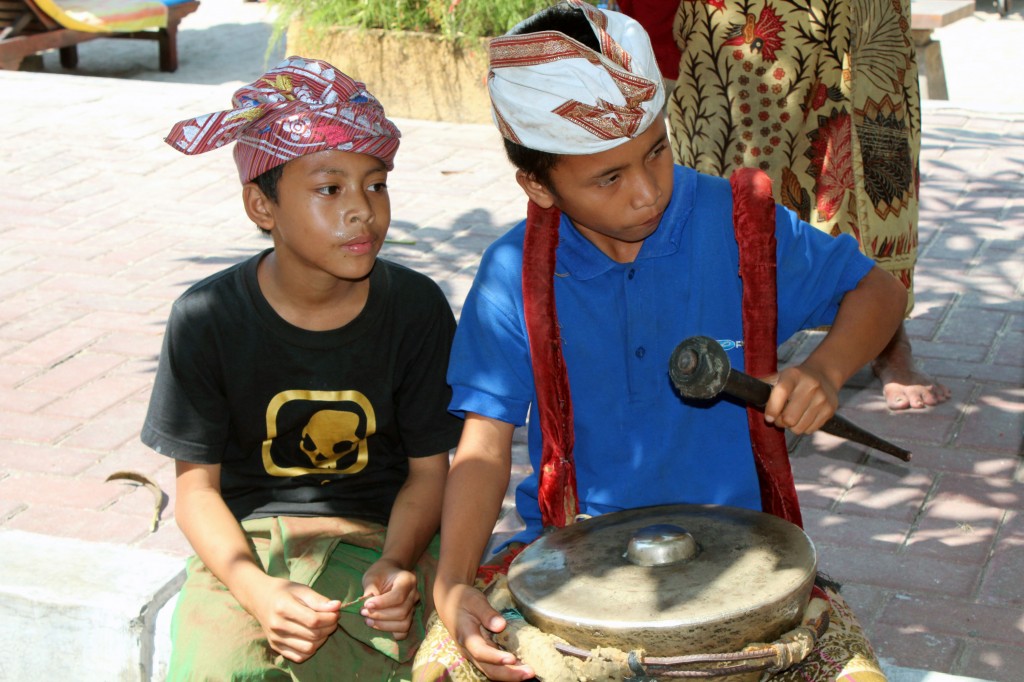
[(672, 580)]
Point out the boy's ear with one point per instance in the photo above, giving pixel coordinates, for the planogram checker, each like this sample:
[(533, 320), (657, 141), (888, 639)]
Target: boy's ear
[(257, 206), (535, 189)]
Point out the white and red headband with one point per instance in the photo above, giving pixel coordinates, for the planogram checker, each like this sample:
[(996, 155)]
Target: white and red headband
[(553, 94)]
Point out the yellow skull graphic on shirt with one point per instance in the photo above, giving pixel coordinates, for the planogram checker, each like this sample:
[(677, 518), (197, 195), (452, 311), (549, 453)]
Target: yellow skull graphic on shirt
[(330, 439)]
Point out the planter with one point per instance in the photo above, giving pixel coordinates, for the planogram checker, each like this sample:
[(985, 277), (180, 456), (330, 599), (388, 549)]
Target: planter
[(414, 75)]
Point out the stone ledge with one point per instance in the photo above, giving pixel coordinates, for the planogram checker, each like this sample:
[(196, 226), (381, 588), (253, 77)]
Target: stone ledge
[(86, 610), (895, 673), (414, 75)]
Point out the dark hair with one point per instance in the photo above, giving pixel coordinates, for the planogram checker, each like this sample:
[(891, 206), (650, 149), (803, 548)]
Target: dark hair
[(267, 182), (571, 22)]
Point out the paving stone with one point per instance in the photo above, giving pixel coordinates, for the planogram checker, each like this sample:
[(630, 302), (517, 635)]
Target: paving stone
[(133, 456), (846, 531), (74, 373), (957, 618), (55, 346), (9, 508), (879, 495), (915, 647), (898, 572), (36, 489), (133, 344), (1001, 584), (23, 401), (826, 460), (995, 662), (23, 457), (867, 601), (952, 540), (935, 425), (14, 375), (964, 461), (972, 327), (992, 373), (955, 247), (119, 425), (998, 424), (969, 499), (36, 428), (167, 539), (27, 301), (1010, 346), (924, 351)]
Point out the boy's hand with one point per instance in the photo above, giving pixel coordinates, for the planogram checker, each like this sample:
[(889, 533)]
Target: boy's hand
[(470, 619), (802, 399), (295, 619), (391, 597)]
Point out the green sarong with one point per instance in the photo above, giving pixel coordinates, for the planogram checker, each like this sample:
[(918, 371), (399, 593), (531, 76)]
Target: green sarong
[(214, 638)]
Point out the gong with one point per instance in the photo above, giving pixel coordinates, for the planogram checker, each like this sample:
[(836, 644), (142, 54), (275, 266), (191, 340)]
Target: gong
[(671, 580)]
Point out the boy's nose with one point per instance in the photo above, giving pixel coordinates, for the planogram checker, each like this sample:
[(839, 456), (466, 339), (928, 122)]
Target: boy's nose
[(358, 209), (647, 191)]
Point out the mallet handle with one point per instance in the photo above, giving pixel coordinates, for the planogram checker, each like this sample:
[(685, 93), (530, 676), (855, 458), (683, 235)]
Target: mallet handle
[(755, 392), (700, 369)]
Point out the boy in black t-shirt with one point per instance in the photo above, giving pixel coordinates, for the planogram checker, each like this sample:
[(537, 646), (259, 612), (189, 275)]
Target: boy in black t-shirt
[(302, 395)]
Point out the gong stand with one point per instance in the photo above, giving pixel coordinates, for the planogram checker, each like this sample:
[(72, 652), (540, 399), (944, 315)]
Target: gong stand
[(699, 591)]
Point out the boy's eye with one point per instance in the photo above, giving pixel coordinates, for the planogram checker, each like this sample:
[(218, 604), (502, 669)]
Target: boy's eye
[(379, 187), (604, 182), (657, 151), (329, 190)]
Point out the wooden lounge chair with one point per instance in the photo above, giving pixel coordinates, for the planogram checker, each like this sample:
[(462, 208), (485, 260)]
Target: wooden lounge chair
[(25, 30)]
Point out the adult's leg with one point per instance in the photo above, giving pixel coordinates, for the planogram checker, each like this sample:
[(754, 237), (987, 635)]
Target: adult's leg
[(903, 385)]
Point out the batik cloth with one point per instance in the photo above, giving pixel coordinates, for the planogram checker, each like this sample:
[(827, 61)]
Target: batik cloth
[(553, 94), (214, 638), (842, 654), (299, 107), (823, 95)]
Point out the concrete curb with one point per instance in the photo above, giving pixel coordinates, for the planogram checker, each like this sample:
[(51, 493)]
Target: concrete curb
[(69, 605), (897, 674)]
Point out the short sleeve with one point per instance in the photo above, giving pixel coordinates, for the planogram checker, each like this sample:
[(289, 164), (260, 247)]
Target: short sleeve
[(188, 416), (490, 371), (815, 271)]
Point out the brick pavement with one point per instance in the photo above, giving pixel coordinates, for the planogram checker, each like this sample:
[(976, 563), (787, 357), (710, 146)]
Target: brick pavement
[(103, 226)]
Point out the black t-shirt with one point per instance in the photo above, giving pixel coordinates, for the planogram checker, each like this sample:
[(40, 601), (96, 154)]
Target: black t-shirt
[(305, 423)]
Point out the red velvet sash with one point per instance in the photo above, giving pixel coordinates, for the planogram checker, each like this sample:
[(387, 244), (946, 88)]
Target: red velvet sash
[(557, 498), (754, 221), (753, 218)]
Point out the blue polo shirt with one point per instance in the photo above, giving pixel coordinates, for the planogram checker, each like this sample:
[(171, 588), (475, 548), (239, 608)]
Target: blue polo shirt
[(638, 443)]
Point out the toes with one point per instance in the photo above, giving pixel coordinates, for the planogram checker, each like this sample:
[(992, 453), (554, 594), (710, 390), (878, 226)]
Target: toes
[(896, 397), (936, 394), (919, 397)]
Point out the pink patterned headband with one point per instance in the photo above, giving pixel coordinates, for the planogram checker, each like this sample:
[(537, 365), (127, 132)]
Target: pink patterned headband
[(299, 107)]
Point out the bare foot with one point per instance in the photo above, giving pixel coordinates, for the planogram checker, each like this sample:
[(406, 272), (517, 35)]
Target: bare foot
[(902, 385)]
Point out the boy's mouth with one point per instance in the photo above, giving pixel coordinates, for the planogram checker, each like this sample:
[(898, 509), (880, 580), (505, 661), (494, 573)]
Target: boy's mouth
[(653, 222), (359, 245)]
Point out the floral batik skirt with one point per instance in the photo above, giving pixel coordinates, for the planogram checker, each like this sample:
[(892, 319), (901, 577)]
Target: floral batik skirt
[(823, 96)]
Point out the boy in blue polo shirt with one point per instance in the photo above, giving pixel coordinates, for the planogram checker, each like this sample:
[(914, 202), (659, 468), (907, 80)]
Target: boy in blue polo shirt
[(574, 314)]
